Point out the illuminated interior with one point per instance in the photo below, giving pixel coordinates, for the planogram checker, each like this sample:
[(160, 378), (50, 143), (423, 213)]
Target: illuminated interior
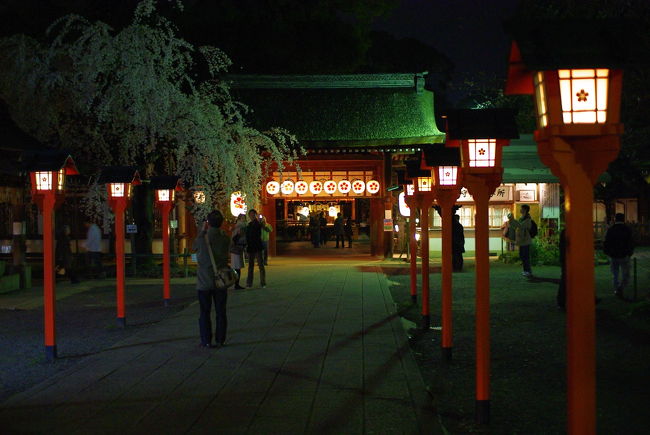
[(482, 152), (448, 175), (540, 98), (584, 95), (44, 180)]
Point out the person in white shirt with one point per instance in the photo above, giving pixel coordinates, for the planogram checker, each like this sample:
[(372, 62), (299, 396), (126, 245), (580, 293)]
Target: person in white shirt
[(94, 248)]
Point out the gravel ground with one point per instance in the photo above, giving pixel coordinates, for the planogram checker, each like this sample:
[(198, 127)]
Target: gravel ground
[(86, 324), (528, 381)]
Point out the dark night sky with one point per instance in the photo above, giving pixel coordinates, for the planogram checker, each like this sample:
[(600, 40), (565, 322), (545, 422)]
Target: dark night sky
[(469, 32)]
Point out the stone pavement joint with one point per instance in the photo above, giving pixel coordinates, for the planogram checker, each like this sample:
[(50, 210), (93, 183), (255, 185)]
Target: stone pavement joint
[(320, 350)]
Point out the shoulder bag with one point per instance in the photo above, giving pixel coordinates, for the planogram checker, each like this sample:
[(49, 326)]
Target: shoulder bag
[(224, 277)]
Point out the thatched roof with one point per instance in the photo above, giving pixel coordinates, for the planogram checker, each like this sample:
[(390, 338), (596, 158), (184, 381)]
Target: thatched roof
[(370, 110)]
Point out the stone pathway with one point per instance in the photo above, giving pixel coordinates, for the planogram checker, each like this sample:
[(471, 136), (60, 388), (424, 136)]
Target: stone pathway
[(320, 350)]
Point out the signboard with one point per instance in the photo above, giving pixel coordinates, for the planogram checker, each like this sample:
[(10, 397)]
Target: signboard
[(173, 223), (131, 229), (501, 193), (388, 225), (526, 195)]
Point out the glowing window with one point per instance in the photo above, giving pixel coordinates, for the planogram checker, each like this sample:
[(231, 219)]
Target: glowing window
[(448, 175), (584, 95), (540, 98)]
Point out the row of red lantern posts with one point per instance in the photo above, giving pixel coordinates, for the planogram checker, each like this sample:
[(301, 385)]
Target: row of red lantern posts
[(471, 157), (574, 72), (48, 172)]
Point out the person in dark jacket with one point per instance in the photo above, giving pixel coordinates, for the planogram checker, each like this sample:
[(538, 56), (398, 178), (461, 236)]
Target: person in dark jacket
[(348, 231), (63, 255), (255, 249), (339, 230), (619, 246), (219, 243), (324, 234), (314, 230), (457, 244)]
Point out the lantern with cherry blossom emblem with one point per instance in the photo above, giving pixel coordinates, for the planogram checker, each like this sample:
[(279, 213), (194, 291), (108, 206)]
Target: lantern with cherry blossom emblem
[(329, 187), (301, 187), (372, 186), (358, 186), (272, 187), (315, 187), (287, 187), (344, 186)]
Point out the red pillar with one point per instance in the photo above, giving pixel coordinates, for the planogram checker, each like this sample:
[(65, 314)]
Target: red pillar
[(49, 283), (165, 208), (119, 207), (446, 200), (424, 237), (481, 188)]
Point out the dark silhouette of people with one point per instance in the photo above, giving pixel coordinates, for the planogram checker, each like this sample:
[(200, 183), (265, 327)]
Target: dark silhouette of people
[(457, 244), (63, 255), (348, 231), (339, 230), (619, 247), (255, 249), (322, 221), (314, 230)]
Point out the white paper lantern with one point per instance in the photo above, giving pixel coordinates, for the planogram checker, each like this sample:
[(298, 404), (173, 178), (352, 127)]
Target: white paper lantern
[(358, 186), (372, 186), (301, 187), (272, 187), (404, 209), (238, 204), (329, 187), (315, 187), (344, 186), (287, 187), (333, 210)]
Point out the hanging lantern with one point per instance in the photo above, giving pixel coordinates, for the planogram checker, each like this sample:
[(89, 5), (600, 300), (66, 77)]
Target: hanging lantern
[(287, 187), (404, 209), (372, 186), (315, 187), (304, 211), (301, 187), (238, 204), (425, 184), (358, 186), (272, 187), (329, 187), (344, 186), (333, 210), (199, 197)]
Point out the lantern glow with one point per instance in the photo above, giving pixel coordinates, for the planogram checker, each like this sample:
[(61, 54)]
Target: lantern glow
[(330, 187), (358, 186), (199, 197), (272, 187), (165, 195), (540, 98), (447, 175), (482, 152), (117, 190), (584, 95), (301, 187), (238, 204), (372, 186), (44, 180), (315, 187), (344, 186), (333, 210), (410, 189), (287, 187), (404, 209), (425, 184)]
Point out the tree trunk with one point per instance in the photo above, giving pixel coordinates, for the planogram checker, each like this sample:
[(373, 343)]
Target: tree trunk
[(143, 214)]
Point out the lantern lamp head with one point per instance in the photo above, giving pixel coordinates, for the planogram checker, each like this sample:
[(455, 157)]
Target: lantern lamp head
[(48, 170), (165, 187), (480, 134), (119, 180), (574, 70)]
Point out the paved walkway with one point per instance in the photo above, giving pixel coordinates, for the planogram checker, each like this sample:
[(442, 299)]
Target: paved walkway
[(320, 350)]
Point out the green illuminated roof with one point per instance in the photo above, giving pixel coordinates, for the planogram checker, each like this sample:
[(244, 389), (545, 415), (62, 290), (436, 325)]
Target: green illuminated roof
[(521, 164), (332, 111)]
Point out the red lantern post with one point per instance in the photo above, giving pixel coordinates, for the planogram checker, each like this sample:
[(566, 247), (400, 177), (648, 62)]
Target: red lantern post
[(165, 187), (119, 181), (577, 94), (424, 193), (481, 134), (444, 164), (47, 172)]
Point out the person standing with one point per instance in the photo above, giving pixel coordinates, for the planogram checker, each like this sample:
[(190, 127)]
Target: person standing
[(266, 232), (339, 230), (348, 231), (237, 246), (322, 222), (63, 254), (522, 237), (314, 230), (255, 249), (457, 244), (219, 242), (619, 247), (94, 249)]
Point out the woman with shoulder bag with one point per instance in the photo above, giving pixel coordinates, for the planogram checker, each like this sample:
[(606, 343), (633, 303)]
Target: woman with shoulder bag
[(237, 245)]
